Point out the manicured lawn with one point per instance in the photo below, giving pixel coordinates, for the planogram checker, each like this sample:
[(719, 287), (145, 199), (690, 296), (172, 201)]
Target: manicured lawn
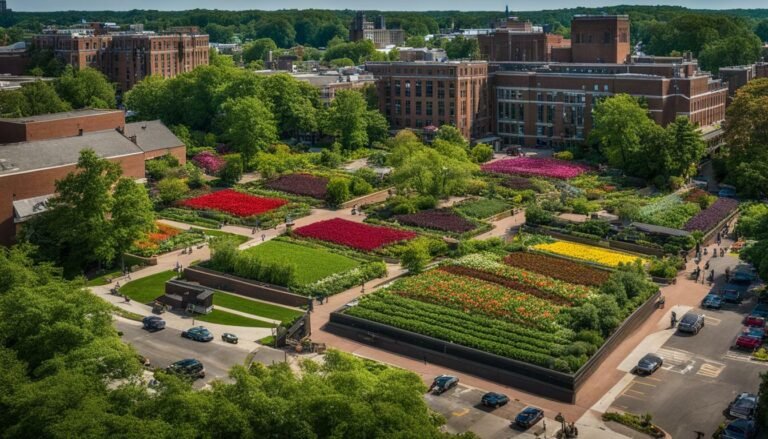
[(226, 318), (482, 208), (218, 233), (102, 280), (259, 309), (313, 263), (148, 288)]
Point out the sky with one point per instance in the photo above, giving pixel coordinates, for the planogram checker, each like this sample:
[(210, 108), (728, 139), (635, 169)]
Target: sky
[(390, 5)]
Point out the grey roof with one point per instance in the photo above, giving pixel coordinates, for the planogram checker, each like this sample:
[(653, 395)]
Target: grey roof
[(29, 207), (57, 116), (40, 154), (659, 230), (152, 135)]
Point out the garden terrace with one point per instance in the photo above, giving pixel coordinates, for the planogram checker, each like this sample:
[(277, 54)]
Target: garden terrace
[(588, 253), (235, 203), (537, 167), (558, 268), (167, 239), (437, 219), (301, 184), (355, 235), (669, 211), (518, 183), (710, 217), (482, 208)]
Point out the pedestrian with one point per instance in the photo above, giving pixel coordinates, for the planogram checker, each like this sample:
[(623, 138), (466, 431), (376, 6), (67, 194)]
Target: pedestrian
[(263, 237), (253, 231)]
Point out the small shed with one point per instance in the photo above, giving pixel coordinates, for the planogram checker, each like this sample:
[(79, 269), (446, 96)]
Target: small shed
[(182, 295)]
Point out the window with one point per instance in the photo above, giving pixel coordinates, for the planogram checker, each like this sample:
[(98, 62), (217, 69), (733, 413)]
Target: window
[(397, 86), (440, 90), (539, 113), (407, 89), (407, 108), (429, 108), (451, 90), (418, 88), (397, 107), (418, 108), (441, 108), (429, 89)]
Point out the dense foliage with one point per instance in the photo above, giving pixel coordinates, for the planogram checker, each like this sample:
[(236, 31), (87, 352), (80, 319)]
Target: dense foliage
[(745, 155)]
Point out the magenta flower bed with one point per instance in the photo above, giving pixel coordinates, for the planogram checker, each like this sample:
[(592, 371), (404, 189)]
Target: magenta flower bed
[(352, 234), (439, 219), (236, 203), (710, 217), (301, 184), (209, 161), (552, 168)]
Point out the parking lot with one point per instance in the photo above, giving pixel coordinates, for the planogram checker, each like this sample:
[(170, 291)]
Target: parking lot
[(700, 376)]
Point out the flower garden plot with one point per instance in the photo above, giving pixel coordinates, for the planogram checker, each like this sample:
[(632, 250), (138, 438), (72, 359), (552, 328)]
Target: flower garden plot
[(597, 255), (301, 184), (668, 211), (165, 239), (438, 219), (351, 234), (482, 208), (518, 183), (540, 167), (558, 268), (235, 203), (710, 217)]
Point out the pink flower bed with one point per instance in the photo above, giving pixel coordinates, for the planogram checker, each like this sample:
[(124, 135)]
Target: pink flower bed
[(236, 203), (537, 167), (352, 234), (209, 161)]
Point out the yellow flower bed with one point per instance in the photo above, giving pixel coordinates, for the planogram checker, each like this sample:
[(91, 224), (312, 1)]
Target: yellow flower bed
[(588, 253)]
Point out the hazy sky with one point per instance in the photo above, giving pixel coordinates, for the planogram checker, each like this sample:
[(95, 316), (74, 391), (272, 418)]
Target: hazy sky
[(398, 5)]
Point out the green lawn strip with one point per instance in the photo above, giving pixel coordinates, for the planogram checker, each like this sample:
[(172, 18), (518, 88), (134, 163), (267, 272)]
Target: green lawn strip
[(312, 264), (102, 280), (148, 288), (258, 309), (240, 239), (230, 319)]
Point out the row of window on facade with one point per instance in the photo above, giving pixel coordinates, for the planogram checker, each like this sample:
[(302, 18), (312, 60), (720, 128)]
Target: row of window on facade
[(421, 123), (511, 94), (509, 111), (426, 107)]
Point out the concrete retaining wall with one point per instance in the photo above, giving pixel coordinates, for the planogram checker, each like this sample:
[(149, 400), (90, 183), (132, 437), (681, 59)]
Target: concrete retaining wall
[(245, 287)]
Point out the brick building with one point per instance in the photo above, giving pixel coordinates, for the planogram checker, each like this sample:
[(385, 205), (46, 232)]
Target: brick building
[(422, 94), (128, 57), (376, 31), (600, 39), (37, 151), (520, 41), (738, 76)]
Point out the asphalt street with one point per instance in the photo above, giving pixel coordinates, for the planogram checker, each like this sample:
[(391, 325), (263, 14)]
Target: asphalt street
[(167, 346)]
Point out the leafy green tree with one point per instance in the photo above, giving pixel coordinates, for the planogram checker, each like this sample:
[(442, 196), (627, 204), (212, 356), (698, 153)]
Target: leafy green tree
[(761, 30), (376, 126), (337, 191), (731, 51), (346, 119), (462, 48), (131, 215), (86, 88), (341, 62), (620, 125), (220, 34), (685, 149), (42, 99), (13, 103), (415, 41), (482, 153), (429, 172), (149, 98), (258, 50), (171, 189), (232, 171), (294, 103), (416, 256), (745, 154), (248, 125), (278, 30), (450, 133)]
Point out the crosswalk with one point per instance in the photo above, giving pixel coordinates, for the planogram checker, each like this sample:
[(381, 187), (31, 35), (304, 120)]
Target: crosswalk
[(711, 370), (677, 360)]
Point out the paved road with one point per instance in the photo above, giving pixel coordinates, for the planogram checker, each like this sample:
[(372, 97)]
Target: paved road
[(167, 346)]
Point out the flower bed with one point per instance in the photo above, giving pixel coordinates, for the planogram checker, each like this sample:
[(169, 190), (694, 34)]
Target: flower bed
[(710, 217), (301, 184), (541, 167), (163, 240), (609, 258), (439, 219), (518, 183), (351, 234), (473, 295), (558, 268), (482, 208), (236, 203), (209, 161)]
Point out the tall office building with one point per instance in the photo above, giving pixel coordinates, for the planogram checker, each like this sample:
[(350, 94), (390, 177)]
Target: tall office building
[(375, 31)]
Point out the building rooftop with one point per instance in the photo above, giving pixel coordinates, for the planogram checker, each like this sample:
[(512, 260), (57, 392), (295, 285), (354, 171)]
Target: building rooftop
[(21, 157), (152, 135), (57, 116)]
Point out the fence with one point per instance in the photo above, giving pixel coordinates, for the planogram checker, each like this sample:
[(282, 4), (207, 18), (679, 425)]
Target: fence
[(246, 287)]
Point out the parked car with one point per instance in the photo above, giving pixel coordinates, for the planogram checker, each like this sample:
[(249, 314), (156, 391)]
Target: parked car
[(732, 296), (528, 417), (648, 364), (742, 277), (443, 383), (189, 367), (493, 399), (748, 342), (198, 333), (153, 323), (727, 192), (691, 322), (760, 310), (740, 429), (755, 320), (744, 406), (229, 337), (754, 331), (712, 301)]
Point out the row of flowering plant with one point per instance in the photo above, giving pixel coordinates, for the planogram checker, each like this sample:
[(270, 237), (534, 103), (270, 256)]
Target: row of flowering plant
[(438, 219), (542, 167), (301, 184), (351, 234), (710, 217), (558, 268), (233, 202), (609, 258)]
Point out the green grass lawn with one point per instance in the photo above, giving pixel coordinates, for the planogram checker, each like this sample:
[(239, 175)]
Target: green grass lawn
[(313, 263), (102, 280), (482, 208), (227, 318), (149, 288), (218, 233), (259, 309)]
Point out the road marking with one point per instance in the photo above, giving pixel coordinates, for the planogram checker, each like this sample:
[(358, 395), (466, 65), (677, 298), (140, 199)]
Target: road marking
[(652, 378), (636, 391), (711, 321), (645, 384), (633, 397), (710, 370), (461, 412)]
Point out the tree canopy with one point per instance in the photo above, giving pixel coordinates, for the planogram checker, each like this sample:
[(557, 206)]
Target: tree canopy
[(745, 136), (86, 88)]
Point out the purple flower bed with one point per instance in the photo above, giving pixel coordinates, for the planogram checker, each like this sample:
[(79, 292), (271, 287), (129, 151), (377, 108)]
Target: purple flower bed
[(438, 219), (209, 161), (518, 183), (711, 216), (552, 168), (301, 184)]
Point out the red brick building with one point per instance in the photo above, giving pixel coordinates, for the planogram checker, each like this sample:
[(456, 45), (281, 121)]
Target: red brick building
[(422, 94), (128, 57), (37, 151), (520, 41), (600, 39)]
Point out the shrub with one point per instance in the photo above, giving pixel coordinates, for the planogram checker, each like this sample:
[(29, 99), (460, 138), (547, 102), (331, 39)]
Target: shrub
[(232, 171), (415, 257), (338, 191), (535, 215), (171, 189), (331, 158), (563, 155), (359, 186), (482, 153)]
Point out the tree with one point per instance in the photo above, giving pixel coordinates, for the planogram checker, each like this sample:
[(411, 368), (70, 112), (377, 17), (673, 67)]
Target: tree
[(278, 30), (341, 62), (346, 119), (337, 191), (620, 125), (132, 215), (294, 103), (731, 51), (376, 126), (429, 172), (13, 103), (86, 88), (415, 41), (450, 133), (258, 50), (149, 98), (248, 125), (42, 99), (481, 153), (232, 171), (416, 256), (462, 48), (685, 149), (746, 156), (171, 189), (761, 30)]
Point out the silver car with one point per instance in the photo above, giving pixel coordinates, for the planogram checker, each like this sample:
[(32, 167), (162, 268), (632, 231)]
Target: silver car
[(691, 322)]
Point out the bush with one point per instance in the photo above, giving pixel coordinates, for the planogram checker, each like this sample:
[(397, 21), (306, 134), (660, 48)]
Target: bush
[(563, 155), (338, 192), (666, 268), (359, 187), (331, 158), (171, 189), (415, 257), (482, 153), (535, 215), (339, 282), (232, 171), (425, 202)]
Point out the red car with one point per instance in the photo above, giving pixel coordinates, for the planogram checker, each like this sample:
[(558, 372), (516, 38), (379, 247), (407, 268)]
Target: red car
[(756, 321), (748, 342)]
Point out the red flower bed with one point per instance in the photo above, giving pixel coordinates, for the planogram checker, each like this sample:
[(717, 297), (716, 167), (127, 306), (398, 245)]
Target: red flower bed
[(301, 184), (439, 219), (352, 234), (236, 203)]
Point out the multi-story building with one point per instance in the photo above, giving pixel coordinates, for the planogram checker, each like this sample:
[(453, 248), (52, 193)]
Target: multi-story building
[(422, 94), (738, 76), (377, 31), (421, 54), (600, 39), (128, 57), (521, 41)]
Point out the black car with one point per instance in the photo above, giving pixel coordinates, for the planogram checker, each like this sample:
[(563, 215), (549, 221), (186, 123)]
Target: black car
[(691, 322), (188, 367), (528, 417), (740, 429), (493, 399), (744, 406), (732, 296), (648, 364), (443, 383), (153, 323)]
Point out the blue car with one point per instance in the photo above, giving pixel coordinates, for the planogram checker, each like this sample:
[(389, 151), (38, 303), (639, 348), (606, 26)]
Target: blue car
[(740, 429), (198, 333), (493, 399), (153, 323), (732, 296), (712, 301), (528, 417)]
